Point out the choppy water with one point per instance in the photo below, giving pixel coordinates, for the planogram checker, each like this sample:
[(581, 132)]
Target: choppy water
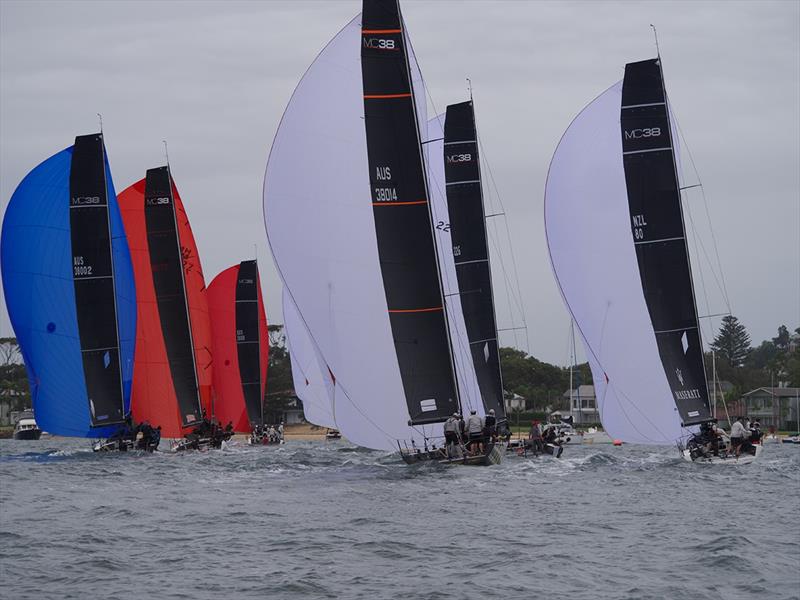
[(327, 520)]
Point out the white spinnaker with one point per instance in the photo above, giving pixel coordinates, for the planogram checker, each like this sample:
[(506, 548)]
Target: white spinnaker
[(469, 392), (320, 226), (587, 222), (312, 381)]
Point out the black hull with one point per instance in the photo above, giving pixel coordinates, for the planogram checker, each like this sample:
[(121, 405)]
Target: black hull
[(196, 442), (28, 434), (124, 446), (492, 456), (524, 449)]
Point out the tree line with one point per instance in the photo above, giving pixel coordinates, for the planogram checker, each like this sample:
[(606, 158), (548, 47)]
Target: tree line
[(774, 361)]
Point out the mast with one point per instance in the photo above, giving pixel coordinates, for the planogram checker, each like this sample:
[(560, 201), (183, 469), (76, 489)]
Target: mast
[(403, 219), (471, 250)]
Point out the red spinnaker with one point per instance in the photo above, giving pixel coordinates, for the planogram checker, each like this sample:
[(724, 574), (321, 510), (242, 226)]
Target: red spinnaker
[(230, 403)]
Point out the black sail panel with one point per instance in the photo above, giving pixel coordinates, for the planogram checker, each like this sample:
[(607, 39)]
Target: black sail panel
[(402, 218), (166, 263), (93, 277), (247, 339), (659, 236), (471, 250)]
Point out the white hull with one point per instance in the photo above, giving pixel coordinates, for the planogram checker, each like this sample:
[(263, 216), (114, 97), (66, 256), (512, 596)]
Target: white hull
[(743, 459)]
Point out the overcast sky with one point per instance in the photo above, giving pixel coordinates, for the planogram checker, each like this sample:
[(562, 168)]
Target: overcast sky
[(214, 78)]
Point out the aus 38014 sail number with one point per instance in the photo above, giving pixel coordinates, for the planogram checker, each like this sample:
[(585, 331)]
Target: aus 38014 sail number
[(388, 194)]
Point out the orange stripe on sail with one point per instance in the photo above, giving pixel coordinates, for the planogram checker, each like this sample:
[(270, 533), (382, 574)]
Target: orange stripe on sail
[(381, 30), (384, 96), (399, 203), (415, 310)]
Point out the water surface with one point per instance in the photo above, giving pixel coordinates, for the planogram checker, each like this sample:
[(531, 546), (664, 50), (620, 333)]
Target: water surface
[(328, 520)]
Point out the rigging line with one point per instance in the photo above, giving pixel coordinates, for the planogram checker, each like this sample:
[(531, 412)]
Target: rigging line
[(708, 214), (508, 235), (700, 269)]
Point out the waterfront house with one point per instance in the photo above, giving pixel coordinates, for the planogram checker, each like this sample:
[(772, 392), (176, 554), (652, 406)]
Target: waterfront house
[(774, 407), (583, 405)]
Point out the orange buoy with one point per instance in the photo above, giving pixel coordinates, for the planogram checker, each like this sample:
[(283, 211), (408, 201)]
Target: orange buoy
[(618, 442)]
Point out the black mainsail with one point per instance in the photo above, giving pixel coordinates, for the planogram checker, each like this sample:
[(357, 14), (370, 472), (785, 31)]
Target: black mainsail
[(659, 236), (471, 250), (402, 218), (93, 278), (248, 341), (166, 262)]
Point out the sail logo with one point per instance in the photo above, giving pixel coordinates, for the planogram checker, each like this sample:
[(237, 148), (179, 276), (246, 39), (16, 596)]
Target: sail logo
[(688, 394), (85, 200), (457, 158), (247, 281), (679, 375), (156, 201), (635, 134), (379, 44)]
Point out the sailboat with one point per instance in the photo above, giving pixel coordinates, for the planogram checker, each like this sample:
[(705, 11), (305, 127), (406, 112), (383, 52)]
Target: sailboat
[(69, 287), (240, 348), (363, 272), (617, 242), (173, 363)]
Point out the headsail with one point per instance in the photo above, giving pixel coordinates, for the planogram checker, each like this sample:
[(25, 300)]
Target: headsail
[(331, 268), (470, 246), (313, 382), (173, 353), (69, 288), (239, 328), (594, 258), (659, 235)]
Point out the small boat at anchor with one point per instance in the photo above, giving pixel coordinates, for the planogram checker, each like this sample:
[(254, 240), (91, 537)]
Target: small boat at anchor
[(26, 428)]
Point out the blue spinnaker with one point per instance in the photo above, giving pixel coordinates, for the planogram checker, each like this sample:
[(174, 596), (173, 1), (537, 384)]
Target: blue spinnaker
[(38, 283)]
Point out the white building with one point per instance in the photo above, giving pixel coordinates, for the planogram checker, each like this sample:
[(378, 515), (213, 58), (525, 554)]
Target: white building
[(583, 405)]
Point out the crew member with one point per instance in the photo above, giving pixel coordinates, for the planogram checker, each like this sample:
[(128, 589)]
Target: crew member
[(490, 426), (451, 432), (739, 436), (535, 437), (474, 427)]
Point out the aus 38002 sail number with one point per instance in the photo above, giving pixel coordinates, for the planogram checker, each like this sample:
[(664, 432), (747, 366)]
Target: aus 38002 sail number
[(79, 269)]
